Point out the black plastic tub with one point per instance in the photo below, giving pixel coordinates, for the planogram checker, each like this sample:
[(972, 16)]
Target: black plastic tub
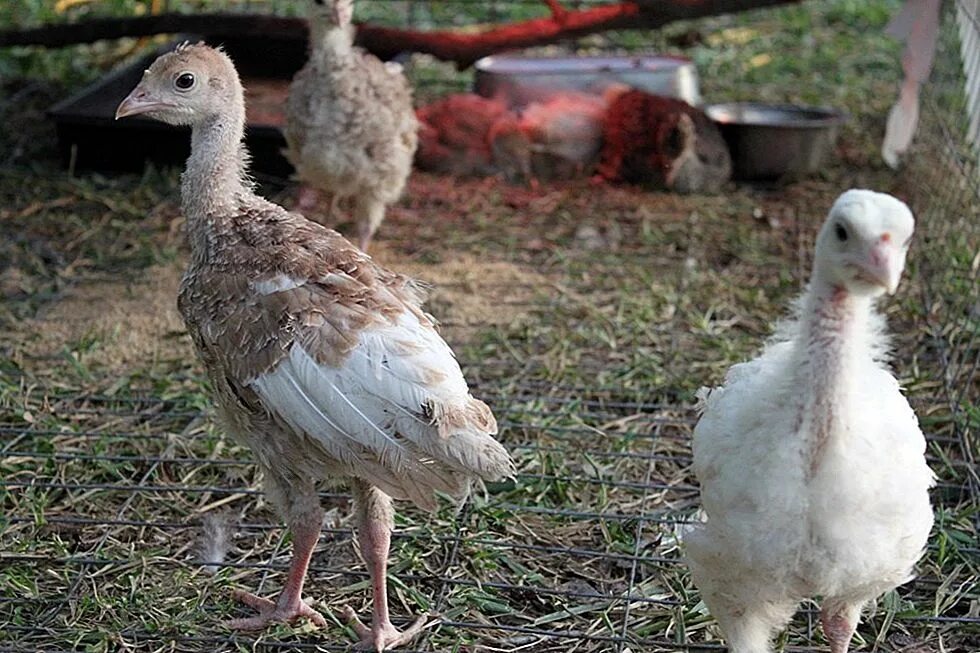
[(89, 137)]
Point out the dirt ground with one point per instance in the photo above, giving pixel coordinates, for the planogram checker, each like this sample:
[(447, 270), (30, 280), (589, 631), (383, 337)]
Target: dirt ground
[(121, 323)]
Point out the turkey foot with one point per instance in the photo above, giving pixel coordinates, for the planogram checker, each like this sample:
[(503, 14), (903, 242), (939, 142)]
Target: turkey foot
[(272, 612), (289, 606), (381, 636)]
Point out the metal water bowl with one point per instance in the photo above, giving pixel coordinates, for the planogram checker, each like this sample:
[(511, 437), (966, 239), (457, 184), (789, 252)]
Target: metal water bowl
[(522, 80), (776, 142)]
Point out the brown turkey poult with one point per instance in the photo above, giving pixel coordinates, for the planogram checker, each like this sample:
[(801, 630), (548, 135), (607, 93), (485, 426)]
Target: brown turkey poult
[(350, 129), (322, 362)]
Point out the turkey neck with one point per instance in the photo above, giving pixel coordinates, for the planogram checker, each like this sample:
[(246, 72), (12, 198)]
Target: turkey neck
[(330, 42), (834, 330), (214, 182)]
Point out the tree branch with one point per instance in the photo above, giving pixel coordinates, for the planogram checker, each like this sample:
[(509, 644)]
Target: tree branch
[(463, 48), (557, 11)]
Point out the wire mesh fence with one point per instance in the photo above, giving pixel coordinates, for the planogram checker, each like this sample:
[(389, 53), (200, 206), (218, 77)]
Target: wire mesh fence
[(947, 202), (117, 503), (609, 595), (413, 13)]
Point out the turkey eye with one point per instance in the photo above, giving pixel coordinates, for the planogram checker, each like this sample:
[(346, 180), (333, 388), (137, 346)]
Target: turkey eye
[(841, 232), (184, 81)]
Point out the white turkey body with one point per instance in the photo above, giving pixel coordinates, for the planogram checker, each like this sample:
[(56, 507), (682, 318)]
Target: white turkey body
[(811, 460), (869, 484)]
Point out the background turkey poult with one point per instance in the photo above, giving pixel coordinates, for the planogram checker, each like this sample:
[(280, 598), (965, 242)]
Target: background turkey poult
[(664, 143), (454, 135), (623, 134), (350, 126)]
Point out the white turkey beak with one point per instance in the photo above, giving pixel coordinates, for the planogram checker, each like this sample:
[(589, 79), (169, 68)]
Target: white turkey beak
[(883, 265), (138, 101)]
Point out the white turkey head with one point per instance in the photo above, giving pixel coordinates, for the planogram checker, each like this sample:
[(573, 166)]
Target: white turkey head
[(189, 86), (863, 243), (336, 13)]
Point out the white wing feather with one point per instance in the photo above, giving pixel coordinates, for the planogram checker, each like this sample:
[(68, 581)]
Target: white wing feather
[(377, 412)]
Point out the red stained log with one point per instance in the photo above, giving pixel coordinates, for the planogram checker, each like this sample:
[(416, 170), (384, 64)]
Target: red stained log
[(465, 48), (664, 143)]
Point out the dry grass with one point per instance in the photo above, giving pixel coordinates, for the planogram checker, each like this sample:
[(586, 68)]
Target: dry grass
[(118, 325), (470, 293)]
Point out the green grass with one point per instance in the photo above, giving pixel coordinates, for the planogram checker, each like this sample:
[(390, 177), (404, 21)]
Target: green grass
[(671, 291)]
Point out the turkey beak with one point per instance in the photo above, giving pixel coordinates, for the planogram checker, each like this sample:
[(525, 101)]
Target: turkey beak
[(883, 265), (137, 102)]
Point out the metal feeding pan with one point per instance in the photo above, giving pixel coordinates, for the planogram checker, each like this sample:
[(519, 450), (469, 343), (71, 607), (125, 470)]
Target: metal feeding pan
[(522, 80), (89, 137), (776, 142)]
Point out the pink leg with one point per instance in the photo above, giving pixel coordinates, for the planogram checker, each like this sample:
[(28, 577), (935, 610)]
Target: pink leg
[(375, 521), (290, 605), (839, 622), (369, 212)]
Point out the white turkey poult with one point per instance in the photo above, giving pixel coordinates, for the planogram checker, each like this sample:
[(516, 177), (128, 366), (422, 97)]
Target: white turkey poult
[(351, 129), (810, 459), (321, 361)]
